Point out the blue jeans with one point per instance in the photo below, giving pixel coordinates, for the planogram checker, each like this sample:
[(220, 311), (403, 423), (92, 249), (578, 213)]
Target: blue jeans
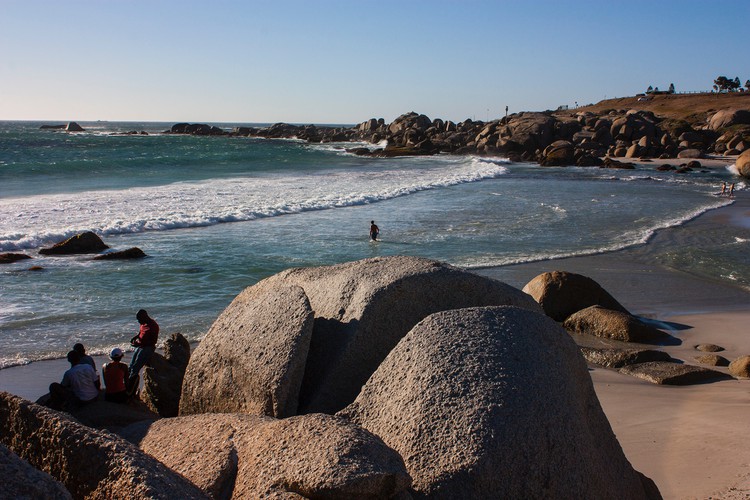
[(141, 357)]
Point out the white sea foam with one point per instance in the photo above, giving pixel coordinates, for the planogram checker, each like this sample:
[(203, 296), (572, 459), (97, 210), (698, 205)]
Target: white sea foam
[(44, 219)]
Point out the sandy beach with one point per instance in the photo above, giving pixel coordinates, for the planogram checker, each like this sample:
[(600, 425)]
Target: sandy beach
[(690, 440)]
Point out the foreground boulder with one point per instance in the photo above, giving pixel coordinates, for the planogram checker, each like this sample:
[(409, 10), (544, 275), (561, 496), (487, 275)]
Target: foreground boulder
[(162, 379), (87, 242), (252, 360), (21, 480), (494, 402), (616, 325), (362, 309), (243, 456), (90, 463), (561, 294)]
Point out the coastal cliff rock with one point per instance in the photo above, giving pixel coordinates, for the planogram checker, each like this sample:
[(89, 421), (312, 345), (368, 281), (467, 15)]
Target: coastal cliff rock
[(362, 309), (743, 164), (22, 481), (252, 360), (561, 294), (616, 325), (162, 379), (243, 456), (87, 242), (88, 462), (494, 402), (195, 129)]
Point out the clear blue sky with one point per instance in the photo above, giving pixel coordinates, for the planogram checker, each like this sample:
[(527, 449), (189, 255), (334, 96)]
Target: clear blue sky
[(346, 61)]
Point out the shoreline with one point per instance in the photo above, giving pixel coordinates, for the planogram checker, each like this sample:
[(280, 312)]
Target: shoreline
[(685, 438)]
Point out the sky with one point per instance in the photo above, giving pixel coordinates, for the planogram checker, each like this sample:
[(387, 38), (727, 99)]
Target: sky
[(215, 61)]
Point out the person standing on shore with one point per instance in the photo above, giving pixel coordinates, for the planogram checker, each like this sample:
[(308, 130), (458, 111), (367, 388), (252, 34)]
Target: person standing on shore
[(85, 358), (115, 378), (374, 231), (80, 385), (145, 345)]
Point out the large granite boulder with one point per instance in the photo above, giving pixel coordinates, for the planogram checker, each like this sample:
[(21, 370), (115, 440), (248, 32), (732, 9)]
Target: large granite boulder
[(740, 367), (90, 463), (22, 481), (87, 242), (162, 379), (728, 117), (561, 294), (532, 130), (494, 402), (252, 360), (363, 308), (244, 456), (559, 153), (743, 164), (616, 325)]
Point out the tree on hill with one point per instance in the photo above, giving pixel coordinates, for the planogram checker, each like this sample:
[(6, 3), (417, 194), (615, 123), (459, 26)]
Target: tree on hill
[(747, 84), (736, 83), (649, 89), (671, 88), (721, 83)]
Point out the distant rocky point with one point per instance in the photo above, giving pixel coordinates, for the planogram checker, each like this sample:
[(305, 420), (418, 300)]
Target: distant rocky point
[(580, 137)]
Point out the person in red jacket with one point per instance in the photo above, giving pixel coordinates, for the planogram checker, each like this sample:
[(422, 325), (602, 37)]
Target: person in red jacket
[(115, 375), (145, 345)]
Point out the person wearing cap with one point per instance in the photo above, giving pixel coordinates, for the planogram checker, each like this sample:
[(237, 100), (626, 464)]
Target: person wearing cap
[(145, 345), (115, 375)]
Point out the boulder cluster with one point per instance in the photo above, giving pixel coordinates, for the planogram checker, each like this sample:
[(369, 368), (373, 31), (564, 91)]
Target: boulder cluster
[(394, 377), (551, 139), (609, 336)]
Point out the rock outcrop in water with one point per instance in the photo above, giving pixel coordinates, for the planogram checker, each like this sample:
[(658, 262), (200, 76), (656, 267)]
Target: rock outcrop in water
[(87, 242)]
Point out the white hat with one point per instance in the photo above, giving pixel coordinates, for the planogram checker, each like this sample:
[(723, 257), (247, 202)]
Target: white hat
[(116, 353)]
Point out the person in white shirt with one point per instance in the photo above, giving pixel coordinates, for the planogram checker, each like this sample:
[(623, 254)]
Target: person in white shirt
[(80, 385)]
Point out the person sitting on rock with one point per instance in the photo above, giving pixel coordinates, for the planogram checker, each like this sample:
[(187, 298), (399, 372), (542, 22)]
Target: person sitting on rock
[(85, 358), (145, 345), (80, 385), (115, 377)]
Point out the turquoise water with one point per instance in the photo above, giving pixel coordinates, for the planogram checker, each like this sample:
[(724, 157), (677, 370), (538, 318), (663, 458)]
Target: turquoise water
[(217, 214)]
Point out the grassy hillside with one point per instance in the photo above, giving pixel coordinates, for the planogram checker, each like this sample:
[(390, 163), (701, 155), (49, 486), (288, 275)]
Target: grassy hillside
[(693, 108)]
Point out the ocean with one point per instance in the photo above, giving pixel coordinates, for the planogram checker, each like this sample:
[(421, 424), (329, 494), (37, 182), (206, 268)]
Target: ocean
[(217, 214)]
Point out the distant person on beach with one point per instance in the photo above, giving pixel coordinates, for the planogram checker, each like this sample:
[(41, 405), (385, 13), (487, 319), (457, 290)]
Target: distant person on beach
[(374, 231), (115, 378), (723, 188), (80, 385), (731, 190), (85, 358), (145, 345)]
